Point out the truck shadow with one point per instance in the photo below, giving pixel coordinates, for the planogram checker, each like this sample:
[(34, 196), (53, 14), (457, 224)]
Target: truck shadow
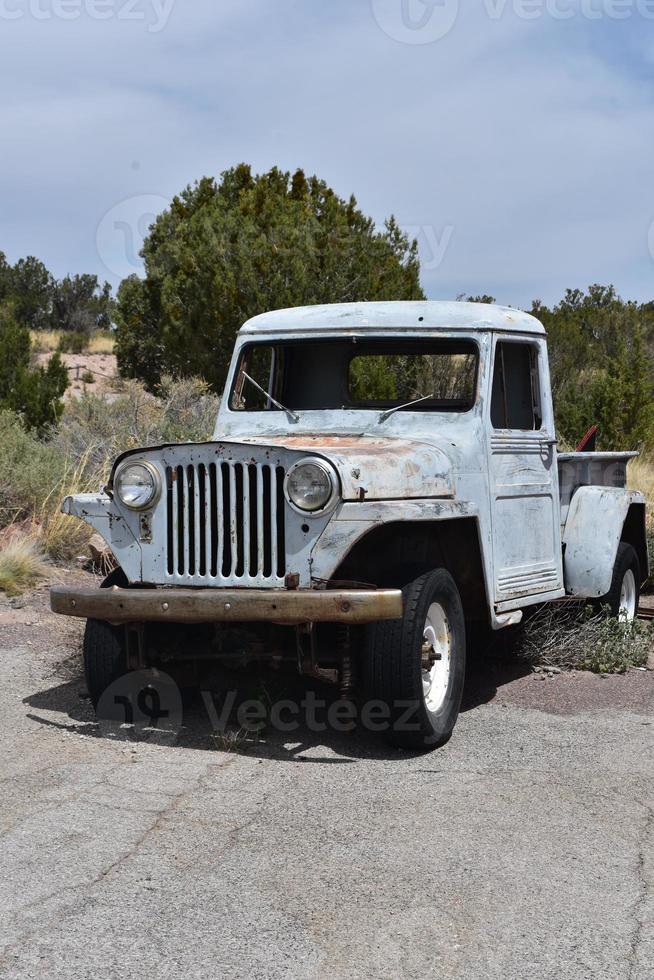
[(208, 714), (492, 664)]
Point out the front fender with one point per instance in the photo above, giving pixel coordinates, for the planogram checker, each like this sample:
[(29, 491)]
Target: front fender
[(98, 510), (591, 536), (354, 521)]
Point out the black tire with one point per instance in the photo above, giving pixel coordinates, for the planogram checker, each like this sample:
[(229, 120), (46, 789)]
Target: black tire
[(626, 561), (394, 669), (105, 648)]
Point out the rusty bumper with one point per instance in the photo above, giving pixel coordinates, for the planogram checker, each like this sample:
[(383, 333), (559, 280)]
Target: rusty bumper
[(227, 605)]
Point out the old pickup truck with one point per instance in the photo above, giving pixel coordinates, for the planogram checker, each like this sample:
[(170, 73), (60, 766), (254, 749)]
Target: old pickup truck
[(382, 480)]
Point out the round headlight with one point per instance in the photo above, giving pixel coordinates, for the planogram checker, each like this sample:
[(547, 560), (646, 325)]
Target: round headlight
[(310, 486), (137, 485)]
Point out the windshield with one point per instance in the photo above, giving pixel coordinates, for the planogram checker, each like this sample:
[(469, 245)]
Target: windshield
[(416, 375)]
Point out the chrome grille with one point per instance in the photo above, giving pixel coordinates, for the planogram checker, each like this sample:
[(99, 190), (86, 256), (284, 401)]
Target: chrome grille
[(225, 522)]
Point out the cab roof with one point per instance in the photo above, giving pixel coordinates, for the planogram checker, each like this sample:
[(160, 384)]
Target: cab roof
[(409, 316)]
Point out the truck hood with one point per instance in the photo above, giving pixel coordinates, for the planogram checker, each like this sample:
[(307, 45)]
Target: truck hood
[(373, 468)]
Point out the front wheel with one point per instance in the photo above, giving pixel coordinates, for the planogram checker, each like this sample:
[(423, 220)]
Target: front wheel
[(105, 657), (105, 648), (416, 665)]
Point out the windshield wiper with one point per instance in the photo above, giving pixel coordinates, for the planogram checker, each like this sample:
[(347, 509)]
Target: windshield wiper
[(398, 408), (292, 416)]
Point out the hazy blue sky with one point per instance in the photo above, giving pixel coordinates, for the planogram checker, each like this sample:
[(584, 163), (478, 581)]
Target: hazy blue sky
[(514, 137)]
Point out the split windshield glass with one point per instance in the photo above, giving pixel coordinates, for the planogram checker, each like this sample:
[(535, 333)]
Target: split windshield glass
[(362, 374)]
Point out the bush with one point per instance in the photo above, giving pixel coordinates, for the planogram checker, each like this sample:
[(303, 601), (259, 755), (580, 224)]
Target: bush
[(29, 471), (73, 343), (35, 475), (228, 249), (35, 394), (568, 636), (95, 430)]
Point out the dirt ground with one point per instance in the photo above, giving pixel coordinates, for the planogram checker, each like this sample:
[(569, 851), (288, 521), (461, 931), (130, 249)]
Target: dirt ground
[(523, 849), (102, 366)]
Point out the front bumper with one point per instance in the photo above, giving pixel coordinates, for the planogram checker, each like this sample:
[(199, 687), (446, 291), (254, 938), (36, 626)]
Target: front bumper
[(227, 605)]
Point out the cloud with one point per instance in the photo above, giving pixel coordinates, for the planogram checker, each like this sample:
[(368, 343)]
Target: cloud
[(518, 148)]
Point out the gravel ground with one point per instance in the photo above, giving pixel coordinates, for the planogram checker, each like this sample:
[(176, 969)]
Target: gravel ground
[(524, 848)]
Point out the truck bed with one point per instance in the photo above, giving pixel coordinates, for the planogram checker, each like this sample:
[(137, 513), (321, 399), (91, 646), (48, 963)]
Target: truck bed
[(590, 469)]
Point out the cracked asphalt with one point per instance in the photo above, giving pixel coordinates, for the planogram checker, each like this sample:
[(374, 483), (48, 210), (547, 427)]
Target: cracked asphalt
[(524, 849)]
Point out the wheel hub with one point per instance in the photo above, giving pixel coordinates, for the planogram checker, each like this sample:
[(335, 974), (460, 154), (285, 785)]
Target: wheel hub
[(628, 600), (436, 657)]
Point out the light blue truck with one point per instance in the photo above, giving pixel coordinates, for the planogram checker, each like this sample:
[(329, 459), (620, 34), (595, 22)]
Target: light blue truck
[(382, 477)]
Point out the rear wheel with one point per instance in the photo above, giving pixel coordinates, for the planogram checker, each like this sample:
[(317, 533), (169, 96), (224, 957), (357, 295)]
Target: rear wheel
[(624, 595), (416, 665)]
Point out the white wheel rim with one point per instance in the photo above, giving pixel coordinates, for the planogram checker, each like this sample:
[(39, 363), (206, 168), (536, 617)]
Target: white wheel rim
[(436, 657), (628, 598)]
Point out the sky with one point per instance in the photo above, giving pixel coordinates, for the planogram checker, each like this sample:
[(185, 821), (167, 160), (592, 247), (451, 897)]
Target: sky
[(513, 138)]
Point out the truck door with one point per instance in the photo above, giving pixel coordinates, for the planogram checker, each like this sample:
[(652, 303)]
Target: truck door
[(523, 473)]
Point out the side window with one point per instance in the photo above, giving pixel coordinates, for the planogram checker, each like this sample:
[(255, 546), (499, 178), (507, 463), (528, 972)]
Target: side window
[(515, 400)]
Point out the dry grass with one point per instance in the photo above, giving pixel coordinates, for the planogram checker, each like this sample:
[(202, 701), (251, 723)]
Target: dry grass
[(235, 741), (65, 537), (641, 477), (47, 342), (569, 636), (101, 343), (22, 564)]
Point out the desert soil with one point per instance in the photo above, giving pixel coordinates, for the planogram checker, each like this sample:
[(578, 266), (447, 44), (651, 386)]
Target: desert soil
[(101, 366)]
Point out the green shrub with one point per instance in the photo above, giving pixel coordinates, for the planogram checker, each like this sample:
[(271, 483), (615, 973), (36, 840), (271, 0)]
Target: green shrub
[(35, 394), (618, 647), (230, 248), (29, 471), (74, 342)]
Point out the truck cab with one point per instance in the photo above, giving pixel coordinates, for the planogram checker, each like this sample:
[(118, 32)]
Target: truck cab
[(382, 477)]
